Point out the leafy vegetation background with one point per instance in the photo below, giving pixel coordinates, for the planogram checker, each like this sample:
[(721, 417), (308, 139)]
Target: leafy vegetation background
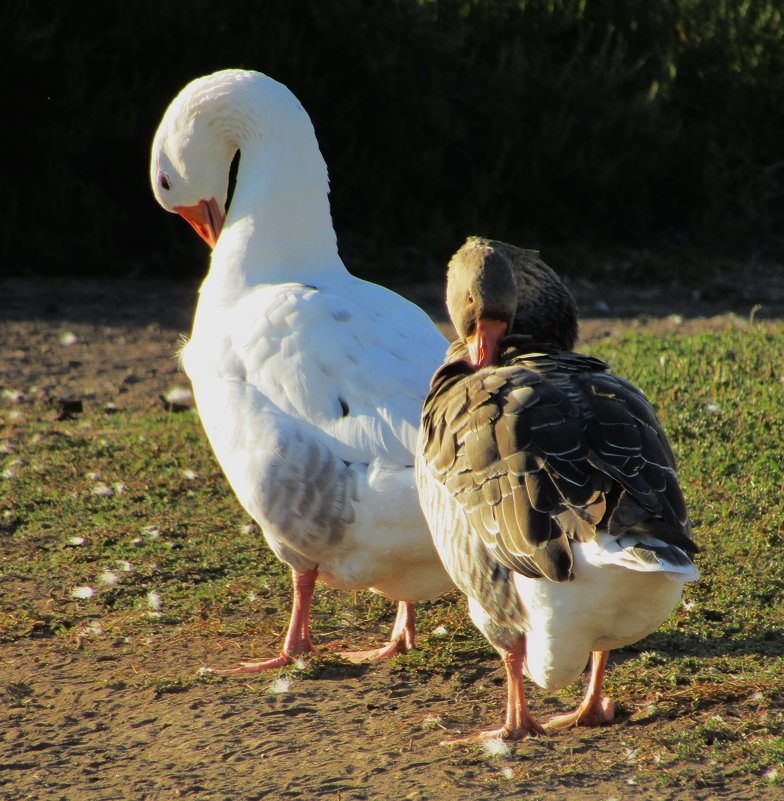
[(649, 131)]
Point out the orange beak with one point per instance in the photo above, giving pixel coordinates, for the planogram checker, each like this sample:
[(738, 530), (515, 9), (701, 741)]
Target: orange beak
[(483, 343), (206, 217)]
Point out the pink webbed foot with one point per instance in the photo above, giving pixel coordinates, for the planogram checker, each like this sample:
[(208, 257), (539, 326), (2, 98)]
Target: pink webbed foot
[(519, 722), (401, 641), (602, 713), (384, 652), (595, 709), (282, 660), (531, 728), (297, 644)]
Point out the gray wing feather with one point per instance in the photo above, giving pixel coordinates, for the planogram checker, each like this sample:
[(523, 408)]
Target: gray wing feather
[(547, 449), (308, 493)]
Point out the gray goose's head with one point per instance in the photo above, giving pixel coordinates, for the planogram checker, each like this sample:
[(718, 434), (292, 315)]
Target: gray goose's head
[(495, 289)]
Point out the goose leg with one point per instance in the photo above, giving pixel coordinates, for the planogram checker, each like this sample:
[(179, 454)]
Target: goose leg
[(297, 642), (400, 642), (595, 709), (519, 722)]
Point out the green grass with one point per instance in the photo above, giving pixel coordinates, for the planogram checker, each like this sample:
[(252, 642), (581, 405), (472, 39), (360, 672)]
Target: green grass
[(712, 678), (718, 661), (166, 523)]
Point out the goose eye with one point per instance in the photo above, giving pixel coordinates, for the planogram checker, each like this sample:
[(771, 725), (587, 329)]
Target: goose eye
[(164, 182), (469, 297)]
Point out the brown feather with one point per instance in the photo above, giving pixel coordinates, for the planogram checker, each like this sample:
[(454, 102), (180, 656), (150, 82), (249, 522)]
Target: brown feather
[(546, 445)]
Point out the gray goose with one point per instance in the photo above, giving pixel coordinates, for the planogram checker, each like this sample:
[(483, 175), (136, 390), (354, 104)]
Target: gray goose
[(548, 484)]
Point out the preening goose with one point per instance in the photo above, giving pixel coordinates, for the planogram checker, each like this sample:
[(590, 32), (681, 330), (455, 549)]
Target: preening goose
[(309, 382), (548, 484)]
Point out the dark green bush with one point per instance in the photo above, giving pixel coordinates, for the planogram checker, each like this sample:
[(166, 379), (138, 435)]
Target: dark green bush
[(571, 126)]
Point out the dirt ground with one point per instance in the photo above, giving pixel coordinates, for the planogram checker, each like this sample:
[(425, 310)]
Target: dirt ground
[(358, 732)]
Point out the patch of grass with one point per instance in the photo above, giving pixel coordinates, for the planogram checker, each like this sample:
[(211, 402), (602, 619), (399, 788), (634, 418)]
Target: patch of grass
[(134, 507), (715, 670)]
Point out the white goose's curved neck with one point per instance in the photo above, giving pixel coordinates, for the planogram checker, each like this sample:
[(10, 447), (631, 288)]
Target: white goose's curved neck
[(279, 227)]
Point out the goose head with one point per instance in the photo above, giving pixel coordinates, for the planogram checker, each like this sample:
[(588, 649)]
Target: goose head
[(480, 297), (191, 156), (495, 289), (281, 179)]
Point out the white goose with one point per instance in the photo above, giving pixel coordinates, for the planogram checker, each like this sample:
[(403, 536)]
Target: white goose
[(548, 484), (309, 382)]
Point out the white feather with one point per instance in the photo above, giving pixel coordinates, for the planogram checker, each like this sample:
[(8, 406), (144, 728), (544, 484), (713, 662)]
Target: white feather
[(309, 382)]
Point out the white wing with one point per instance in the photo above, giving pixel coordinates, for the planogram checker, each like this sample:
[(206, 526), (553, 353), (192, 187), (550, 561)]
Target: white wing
[(354, 366), (311, 399)]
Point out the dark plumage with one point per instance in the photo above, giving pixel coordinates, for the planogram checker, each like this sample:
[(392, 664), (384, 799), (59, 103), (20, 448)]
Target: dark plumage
[(538, 453), (513, 285)]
